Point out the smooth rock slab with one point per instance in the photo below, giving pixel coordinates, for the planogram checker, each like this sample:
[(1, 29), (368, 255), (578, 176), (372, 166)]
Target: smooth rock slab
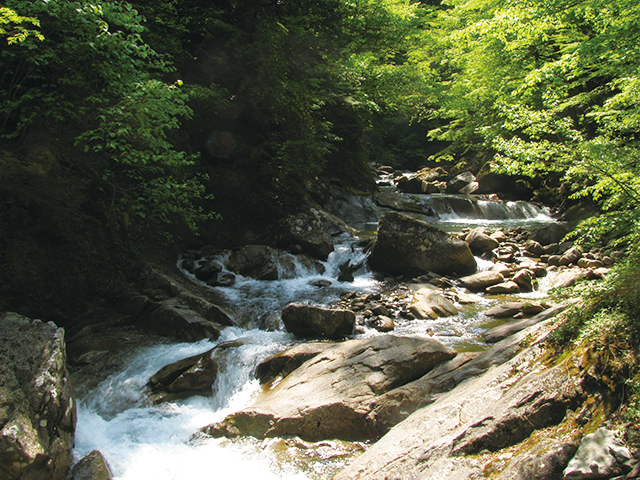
[(496, 410), (482, 280), (330, 395)]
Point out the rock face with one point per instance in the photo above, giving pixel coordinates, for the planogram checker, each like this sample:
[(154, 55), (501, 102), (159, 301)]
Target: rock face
[(405, 246), (330, 395), (187, 377), (37, 410), (92, 466), (307, 321), (313, 231), (448, 438), (600, 455)]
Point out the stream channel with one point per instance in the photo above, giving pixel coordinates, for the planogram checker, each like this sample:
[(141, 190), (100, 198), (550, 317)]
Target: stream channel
[(144, 441)]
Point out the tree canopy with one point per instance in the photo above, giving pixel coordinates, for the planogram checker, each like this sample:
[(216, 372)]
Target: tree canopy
[(122, 123)]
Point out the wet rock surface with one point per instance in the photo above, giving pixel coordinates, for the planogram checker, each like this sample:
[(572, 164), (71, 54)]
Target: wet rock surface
[(92, 466), (330, 395), (194, 375)]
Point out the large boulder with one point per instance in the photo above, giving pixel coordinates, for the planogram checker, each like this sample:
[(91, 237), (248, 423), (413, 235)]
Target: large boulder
[(412, 185), (37, 410), (463, 431), (172, 319), (405, 246), (307, 321), (461, 182), (480, 242), (283, 363), (330, 395), (313, 231), (255, 261)]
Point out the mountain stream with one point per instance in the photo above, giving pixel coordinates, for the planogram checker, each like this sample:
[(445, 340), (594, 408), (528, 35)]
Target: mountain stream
[(144, 441)]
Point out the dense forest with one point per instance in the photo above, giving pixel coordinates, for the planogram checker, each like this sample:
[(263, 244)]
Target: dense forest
[(129, 127)]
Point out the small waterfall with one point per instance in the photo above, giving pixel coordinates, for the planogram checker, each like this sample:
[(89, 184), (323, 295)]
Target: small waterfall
[(457, 208), (258, 303)]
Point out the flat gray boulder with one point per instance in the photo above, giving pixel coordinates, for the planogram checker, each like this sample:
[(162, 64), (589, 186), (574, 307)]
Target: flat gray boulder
[(330, 395), (429, 303), (405, 246)]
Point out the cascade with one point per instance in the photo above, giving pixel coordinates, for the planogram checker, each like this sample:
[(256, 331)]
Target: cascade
[(145, 441)]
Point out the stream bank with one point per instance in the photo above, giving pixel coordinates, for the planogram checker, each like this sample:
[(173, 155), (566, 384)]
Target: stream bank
[(114, 354)]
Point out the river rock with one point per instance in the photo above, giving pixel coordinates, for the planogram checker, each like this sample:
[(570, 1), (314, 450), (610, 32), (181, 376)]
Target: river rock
[(502, 288), (571, 256), (501, 268), (283, 363), (499, 236), (308, 321), (37, 409), (330, 395), (255, 261), (207, 270), (545, 461), (505, 310), (92, 466), (549, 234), (190, 376), (524, 280), (461, 181), (448, 437), (481, 280), (567, 278), (428, 303), (501, 332), (405, 246), (412, 185), (431, 174), (600, 455), (590, 263), (480, 242), (533, 247), (383, 323), (172, 319), (313, 231)]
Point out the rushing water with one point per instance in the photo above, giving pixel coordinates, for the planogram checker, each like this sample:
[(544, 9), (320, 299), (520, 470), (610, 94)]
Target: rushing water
[(143, 441)]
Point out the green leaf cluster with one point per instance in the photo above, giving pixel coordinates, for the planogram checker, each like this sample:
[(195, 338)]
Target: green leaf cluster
[(544, 86), (92, 161)]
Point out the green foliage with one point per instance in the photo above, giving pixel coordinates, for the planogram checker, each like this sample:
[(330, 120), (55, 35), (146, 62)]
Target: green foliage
[(90, 78), (92, 167), (547, 87), (11, 26)]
